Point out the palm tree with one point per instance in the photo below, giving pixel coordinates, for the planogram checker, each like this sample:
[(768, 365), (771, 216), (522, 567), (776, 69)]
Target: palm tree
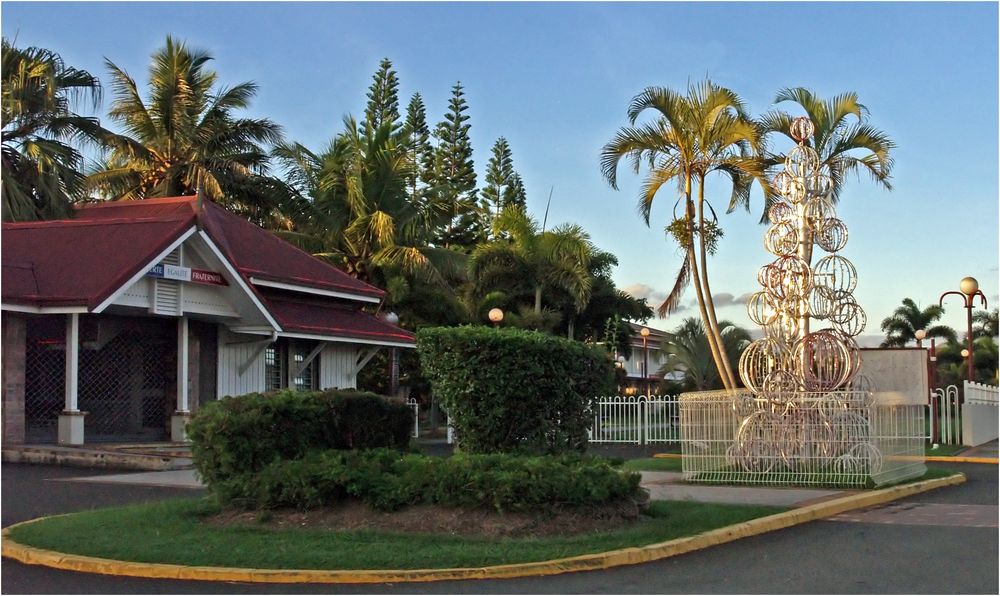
[(357, 212), (185, 135), (41, 169), (901, 326), (706, 131), (533, 258), (844, 139), (687, 350)]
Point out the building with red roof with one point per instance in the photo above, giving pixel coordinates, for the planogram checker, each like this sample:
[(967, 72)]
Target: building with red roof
[(120, 322)]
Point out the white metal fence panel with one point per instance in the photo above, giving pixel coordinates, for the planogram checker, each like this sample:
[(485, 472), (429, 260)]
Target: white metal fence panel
[(945, 413), (979, 421), (635, 419), (416, 416)]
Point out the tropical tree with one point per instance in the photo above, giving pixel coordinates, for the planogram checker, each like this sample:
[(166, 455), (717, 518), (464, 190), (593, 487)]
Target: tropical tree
[(985, 323), (503, 184), (455, 176), (41, 167), (706, 131), (185, 135), (687, 351), (419, 150), (533, 259), (901, 326), (844, 139), (383, 99)]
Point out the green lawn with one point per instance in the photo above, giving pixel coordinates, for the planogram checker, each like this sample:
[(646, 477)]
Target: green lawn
[(173, 532), (653, 464), (943, 450)]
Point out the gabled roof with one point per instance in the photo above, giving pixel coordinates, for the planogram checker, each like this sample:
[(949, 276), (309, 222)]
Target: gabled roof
[(83, 261)]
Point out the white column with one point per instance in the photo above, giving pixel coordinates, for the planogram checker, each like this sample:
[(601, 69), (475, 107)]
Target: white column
[(182, 365), (72, 362)]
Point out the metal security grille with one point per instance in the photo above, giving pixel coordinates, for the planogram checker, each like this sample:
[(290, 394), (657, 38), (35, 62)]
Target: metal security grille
[(44, 378), (127, 382)]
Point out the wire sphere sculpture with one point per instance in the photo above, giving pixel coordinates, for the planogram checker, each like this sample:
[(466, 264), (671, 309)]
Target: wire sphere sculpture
[(801, 129)]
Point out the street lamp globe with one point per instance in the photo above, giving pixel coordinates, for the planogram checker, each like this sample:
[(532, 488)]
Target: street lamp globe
[(965, 353), (920, 334), (644, 332), (968, 285), (620, 362), (495, 315), (391, 318)]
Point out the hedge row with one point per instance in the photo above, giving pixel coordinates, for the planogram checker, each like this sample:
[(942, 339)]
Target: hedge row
[(238, 435), (509, 390), (387, 480)]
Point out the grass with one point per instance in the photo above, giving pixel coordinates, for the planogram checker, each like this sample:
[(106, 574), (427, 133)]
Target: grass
[(653, 464), (943, 450), (174, 532)]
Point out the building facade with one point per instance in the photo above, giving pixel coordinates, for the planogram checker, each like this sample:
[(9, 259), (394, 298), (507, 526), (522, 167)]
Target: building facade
[(121, 322)]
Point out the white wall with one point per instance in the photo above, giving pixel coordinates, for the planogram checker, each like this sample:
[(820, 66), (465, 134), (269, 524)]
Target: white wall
[(232, 356), (979, 414), (899, 374), (336, 367)]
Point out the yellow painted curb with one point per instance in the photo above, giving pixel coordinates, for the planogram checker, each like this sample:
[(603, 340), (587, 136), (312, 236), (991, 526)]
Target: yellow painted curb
[(626, 556)]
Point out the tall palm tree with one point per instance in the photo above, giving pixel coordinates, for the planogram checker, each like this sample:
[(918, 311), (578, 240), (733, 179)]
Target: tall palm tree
[(185, 134), (687, 351), (706, 131), (901, 326), (986, 323), (41, 167), (844, 139), (528, 256)]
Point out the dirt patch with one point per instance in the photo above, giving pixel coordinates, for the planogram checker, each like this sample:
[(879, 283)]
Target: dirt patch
[(434, 519)]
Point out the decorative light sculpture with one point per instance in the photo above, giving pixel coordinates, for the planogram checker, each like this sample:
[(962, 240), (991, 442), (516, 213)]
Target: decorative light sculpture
[(805, 399)]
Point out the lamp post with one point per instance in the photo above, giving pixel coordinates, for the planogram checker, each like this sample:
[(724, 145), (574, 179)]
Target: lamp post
[(392, 318), (969, 290), (495, 315), (620, 363), (920, 334), (645, 358)]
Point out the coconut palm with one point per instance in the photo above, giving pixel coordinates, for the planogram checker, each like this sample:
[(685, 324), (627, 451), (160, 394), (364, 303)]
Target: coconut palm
[(844, 139), (534, 259), (687, 351), (693, 136), (901, 326), (186, 134), (985, 323), (357, 212), (41, 168)]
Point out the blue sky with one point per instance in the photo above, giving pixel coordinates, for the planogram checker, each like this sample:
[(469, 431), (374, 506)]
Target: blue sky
[(555, 79)]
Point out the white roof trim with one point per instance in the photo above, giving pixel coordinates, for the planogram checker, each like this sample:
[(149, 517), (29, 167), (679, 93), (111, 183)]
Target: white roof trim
[(43, 309), (310, 290), (143, 270), (349, 340), (238, 279)]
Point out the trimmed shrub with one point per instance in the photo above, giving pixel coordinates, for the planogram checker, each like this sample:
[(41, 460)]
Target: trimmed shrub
[(513, 390), (387, 480), (243, 434)]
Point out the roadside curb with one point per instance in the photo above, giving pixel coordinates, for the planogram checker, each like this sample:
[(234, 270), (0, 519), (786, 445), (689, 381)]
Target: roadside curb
[(592, 562)]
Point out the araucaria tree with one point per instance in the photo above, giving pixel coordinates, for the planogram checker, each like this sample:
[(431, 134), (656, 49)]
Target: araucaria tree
[(383, 100), (41, 169), (186, 134), (420, 153), (706, 131), (503, 184), (454, 176)]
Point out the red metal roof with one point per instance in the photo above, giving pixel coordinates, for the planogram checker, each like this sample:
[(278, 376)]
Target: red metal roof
[(328, 317), (82, 261)]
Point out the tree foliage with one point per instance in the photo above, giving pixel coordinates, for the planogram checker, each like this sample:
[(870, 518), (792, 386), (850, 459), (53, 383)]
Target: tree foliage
[(901, 326)]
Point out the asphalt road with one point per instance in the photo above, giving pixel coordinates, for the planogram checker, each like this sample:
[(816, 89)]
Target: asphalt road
[(891, 554)]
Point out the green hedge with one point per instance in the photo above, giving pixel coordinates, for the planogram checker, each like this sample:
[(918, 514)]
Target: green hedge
[(388, 480), (243, 434), (512, 390)]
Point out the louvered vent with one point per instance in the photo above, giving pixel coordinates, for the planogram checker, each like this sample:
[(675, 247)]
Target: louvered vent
[(167, 292)]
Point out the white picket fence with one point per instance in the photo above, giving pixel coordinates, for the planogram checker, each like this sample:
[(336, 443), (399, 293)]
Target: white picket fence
[(635, 419)]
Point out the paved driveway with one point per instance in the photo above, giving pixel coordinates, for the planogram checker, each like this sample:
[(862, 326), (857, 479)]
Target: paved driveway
[(908, 555)]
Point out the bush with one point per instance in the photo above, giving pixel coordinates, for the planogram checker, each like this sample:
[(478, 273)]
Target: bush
[(388, 480), (243, 434), (512, 390)]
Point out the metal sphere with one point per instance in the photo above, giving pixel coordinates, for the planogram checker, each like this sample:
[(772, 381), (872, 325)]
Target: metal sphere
[(969, 285), (801, 129), (833, 236), (782, 238), (760, 309), (836, 274), (801, 162), (759, 359), (780, 211), (822, 360)]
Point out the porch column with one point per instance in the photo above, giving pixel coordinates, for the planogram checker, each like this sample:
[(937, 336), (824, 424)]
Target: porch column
[(180, 418), (71, 418)]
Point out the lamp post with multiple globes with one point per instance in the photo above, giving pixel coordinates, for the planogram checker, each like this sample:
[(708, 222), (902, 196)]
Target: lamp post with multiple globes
[(969, 290)]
